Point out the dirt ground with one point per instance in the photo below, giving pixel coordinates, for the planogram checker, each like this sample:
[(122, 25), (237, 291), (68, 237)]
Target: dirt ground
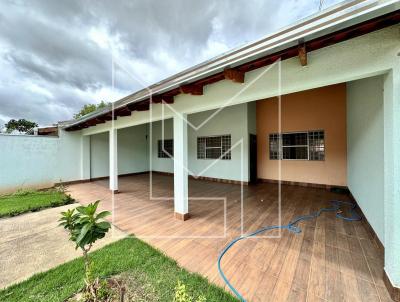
[(32, 243)]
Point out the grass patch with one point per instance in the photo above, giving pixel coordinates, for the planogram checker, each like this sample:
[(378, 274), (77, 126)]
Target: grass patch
[(24, 201), (158, 276)]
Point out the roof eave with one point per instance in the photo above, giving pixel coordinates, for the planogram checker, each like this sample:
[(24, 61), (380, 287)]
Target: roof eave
[(314, 27)]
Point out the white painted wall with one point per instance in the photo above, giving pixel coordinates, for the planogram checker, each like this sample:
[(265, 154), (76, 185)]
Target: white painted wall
[(365, 171)]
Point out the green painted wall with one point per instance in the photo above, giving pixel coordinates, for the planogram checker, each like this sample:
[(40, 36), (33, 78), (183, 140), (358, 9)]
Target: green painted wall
[(133, 148), (365, 172), (155, 134), (28, 161), (99, 152), (132, 151), (231, 120)]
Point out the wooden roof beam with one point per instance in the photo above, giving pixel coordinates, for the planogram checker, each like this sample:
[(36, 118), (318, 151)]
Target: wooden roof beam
[(234, 75), (302, 53), (140, 106), (156, 99), (143, 107), (124, 111), (192, 89), (107, 116), (168, 99)]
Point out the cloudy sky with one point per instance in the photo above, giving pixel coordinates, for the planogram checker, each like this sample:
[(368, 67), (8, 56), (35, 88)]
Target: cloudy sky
[(55, 55)]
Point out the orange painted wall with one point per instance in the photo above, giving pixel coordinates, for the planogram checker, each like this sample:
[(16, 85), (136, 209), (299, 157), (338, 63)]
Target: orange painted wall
[(321, 108)]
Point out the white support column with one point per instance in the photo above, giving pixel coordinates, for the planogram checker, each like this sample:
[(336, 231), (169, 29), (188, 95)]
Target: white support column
[(113, 141), (180, 167), (85, 157), (392, 178)]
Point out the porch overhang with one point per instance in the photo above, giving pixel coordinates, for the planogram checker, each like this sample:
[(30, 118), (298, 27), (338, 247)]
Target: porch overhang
[(338, 24)]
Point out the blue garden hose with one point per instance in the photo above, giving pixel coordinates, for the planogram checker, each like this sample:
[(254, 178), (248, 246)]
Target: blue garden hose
[(292, 227)]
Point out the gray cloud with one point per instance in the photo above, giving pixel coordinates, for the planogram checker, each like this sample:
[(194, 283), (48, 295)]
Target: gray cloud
[(56, 55)]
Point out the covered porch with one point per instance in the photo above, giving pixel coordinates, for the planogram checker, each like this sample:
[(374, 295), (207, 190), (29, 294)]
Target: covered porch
[(330, 260), (324, 124)]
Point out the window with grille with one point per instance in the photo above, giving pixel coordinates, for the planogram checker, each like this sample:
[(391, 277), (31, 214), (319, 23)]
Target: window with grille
[(214, 147), (297, 145), (165, 148), (316, 143)]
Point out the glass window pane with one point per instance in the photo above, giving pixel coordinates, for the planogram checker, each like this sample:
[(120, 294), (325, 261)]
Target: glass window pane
[(294, 152), (165, 148), (294, 139), (213, 153), (213, 141), (226, 146), (214, 147), (298, 145), (274, 146), (317, 145), (201, 147)]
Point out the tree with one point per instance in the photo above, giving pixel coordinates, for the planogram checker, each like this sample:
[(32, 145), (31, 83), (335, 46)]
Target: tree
[(21, 125), (88, 108), (85, 227)]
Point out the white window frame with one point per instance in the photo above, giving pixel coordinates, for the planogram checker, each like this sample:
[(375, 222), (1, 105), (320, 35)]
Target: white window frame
[(294, 146), (281, 146)]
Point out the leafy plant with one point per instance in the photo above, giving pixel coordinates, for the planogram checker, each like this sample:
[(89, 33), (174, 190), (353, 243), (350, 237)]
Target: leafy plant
[(60, 187), (85, 227), (181, 294)]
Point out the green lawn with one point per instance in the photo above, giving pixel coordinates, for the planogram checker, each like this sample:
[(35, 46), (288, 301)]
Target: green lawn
[(129, 255), (30, 201)]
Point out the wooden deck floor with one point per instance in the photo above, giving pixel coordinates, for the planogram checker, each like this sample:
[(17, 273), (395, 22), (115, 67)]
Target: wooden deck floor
[(331, 260)]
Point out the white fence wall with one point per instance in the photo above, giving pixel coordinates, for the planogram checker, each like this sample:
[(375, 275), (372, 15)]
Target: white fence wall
[(38, 161)]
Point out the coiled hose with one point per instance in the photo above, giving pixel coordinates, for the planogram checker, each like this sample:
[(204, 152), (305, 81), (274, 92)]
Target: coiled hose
[(291, 227)]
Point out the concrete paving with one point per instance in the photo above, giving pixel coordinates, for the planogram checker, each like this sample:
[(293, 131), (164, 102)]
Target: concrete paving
[(32, 243)]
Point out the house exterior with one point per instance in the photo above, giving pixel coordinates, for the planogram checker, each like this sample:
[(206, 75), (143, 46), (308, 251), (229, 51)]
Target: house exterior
[(316, 104)]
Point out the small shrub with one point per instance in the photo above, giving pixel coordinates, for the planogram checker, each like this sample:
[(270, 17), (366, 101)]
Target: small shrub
[(68, 199), (85, 227), (61, 188)]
